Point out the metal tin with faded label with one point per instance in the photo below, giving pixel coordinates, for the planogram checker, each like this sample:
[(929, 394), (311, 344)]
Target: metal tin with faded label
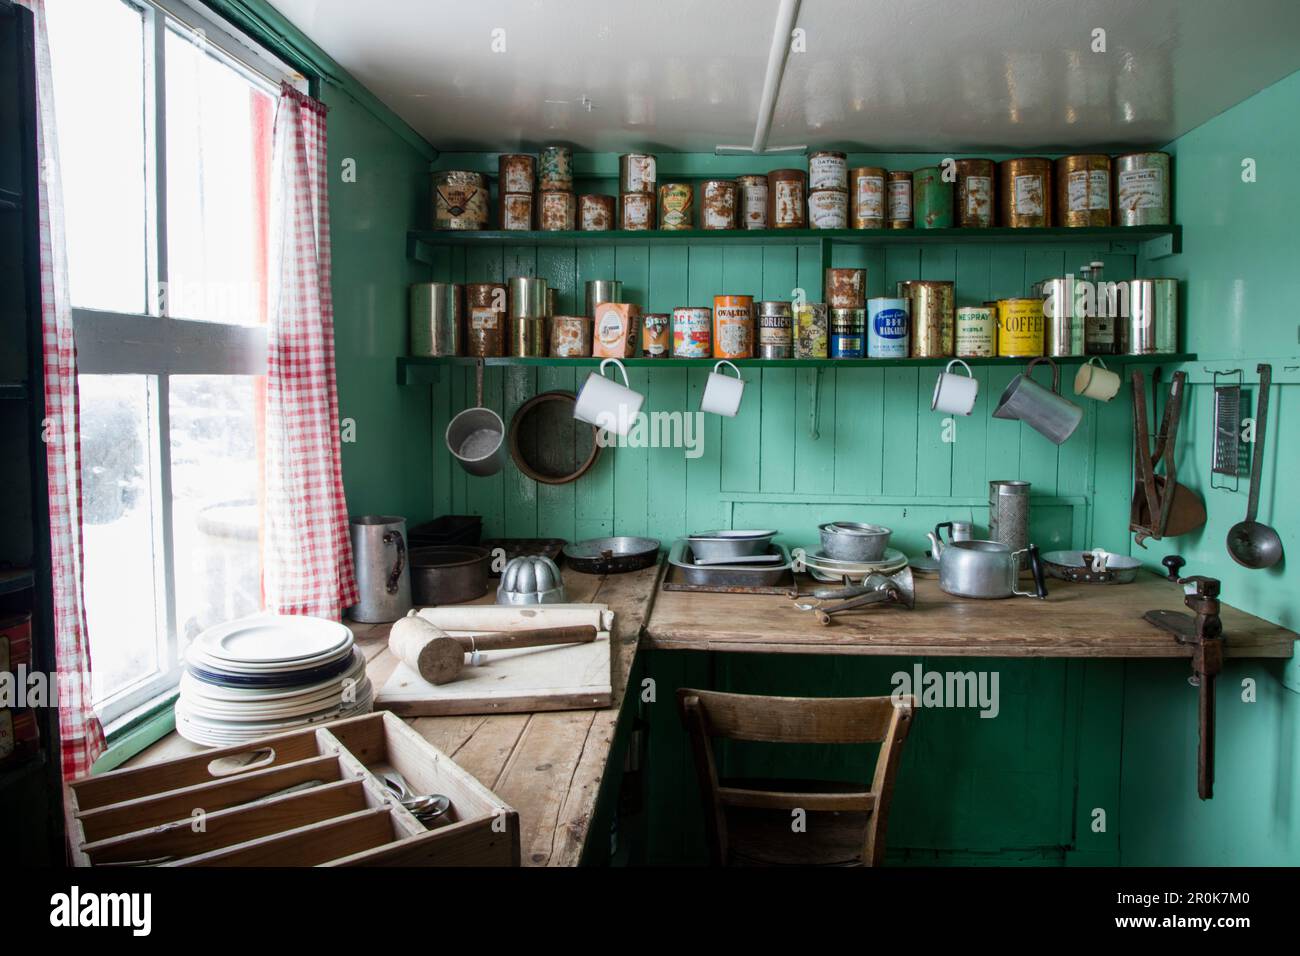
[(656, 334), (775, 330), (752, 208), (460, 200), (1142, 189), (595, 213), (733, 326), (931, 316), (848, 333), (636, 173), (1083, 190), (556, 211), (718, 204), (899, 199), (1020, 327), (637, 212), (570, 336), (931, 199), (516, 173), (787, 199), (811, 330), (975, 193), (1025, 192), (555, 169), (485, 304), (976, 335), (517, 211), (676, 206), (887, 327), (867, 197), (828, 209), (828, 169), (846, 288), (692, 332)]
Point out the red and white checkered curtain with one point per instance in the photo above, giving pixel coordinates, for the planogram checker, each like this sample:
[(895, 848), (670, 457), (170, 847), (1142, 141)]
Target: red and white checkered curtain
[(308, 551), (82, 736)]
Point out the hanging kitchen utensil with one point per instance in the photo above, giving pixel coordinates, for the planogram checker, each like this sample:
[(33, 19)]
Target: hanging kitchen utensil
[(1227, 430), (476, 436), (611, 555), (548, 444), (1252, 543), (1162, 508), (1044, 410)]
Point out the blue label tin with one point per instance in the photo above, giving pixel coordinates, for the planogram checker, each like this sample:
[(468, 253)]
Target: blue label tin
[(887, 328), (846, 346)]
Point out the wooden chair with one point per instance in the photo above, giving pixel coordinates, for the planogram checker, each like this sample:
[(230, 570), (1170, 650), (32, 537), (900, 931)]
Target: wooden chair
[(750, 822)]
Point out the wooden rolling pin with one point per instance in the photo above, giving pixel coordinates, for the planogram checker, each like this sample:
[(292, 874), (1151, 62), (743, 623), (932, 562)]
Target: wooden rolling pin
[(438, 656)]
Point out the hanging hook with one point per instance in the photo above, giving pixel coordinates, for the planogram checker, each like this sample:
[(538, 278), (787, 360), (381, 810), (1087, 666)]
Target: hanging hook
[(478, 383), (814, 393)]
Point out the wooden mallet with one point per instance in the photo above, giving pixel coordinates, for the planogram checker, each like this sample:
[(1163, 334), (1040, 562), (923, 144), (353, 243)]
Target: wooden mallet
[(438, 657)]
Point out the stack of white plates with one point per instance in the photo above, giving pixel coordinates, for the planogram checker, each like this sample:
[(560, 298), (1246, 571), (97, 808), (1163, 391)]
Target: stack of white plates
[(268, 673)]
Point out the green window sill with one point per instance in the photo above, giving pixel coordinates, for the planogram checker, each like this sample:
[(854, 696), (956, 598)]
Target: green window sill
[(133, 733)]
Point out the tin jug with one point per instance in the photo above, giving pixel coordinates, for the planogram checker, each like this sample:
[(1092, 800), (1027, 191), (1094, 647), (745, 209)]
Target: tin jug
[(383, 576), (1044, 410)]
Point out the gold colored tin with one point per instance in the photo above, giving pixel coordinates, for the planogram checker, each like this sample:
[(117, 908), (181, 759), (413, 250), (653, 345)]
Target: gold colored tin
[(787, 199), (975, 192), (1083, 190), (898, 199), (1025, 192), (676, 206), (595, 213), (1020, 328), (867, 197), (932, 319), (528, 338)]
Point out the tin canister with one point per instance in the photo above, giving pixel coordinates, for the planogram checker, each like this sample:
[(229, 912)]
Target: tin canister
[(846, 288), (867, 197), (656, 335), (828, 169), (718, 204), (931, 316), (1152, 326), (516, 173), (811, 330), (733, 326), (977, 328), (692, 332), (828, 209), (526, 297), (435, 319), (555, 169), (775, 330), (1025, 192), (570, 336), (1083, 190), (460, 200), (637, 212), (1142, 187), (602, 290), (1020, 327), (556, 211), (485, 306), (676, 206), (787, 199), (931, 199), (528, 337), (1064, 319), (516, 211), (551, 293), (975, 193), (888, 334), (636, 173), (595, 213), (848, 333), (899, 199), (752, 208)]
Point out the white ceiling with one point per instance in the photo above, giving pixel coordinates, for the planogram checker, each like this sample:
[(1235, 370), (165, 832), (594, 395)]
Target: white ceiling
[(877, 75)]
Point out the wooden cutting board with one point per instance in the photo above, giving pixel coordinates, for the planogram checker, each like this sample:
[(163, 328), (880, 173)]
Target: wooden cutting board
[(560, 677)]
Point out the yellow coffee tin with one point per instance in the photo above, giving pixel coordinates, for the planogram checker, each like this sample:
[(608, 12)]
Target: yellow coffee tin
[(1020, 327)]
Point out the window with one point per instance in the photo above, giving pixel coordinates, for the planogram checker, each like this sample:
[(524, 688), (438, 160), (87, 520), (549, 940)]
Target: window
[(164, 123)]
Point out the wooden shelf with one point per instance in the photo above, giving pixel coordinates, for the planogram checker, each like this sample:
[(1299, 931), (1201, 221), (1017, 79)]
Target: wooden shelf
[(13, 391)]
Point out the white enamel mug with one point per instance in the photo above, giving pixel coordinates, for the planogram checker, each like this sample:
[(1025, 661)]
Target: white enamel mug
[(955, 394), (1096, 381), (722, 393), (607, 404)]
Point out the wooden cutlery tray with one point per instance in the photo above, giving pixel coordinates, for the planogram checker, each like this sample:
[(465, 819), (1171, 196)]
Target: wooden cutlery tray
[(227, 807)]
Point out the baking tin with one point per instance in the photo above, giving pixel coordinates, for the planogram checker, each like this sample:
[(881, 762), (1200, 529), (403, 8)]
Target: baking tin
[(1020, 328), (676, 206), (1142, 187), (570, 336), (435, 319), (1064, 322), (692, 332), (1152, 326), (636, 173), (727, 577), (846, 288), (828, 209), (931, 199), (733, 326), (898, 199), (867, 197), (975, 179), (637, 212), (656, 335), (1083, 190), (555, 169), (460, 200), (556, 211), (528, 337), (811, 330), (751, 208), (888, 334), (595, 213), (931, 317), (485, 326), (718, 204), (1025, 192), (602, 290), (728, 544), (526, 297), (787, 199), (775, 330), (516, 211), (848, 333), (516, 173), (976, 331)]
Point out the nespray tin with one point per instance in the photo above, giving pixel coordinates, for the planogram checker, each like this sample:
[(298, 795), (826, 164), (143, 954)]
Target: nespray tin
[(977, 328)]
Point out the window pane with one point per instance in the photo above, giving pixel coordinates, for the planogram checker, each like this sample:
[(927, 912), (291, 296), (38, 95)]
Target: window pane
[(118, 531), (218, 174), (216, 441), (97, 55)]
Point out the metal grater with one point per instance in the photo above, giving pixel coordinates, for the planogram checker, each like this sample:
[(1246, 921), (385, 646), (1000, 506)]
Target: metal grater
[(1227, 427)]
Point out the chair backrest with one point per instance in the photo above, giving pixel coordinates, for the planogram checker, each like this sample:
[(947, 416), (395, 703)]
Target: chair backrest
[(805, 720)]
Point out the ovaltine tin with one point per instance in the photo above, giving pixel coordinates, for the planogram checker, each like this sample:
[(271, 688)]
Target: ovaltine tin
[(811, 329), (636, 173), (555, 169), (460, 200), (1083, 191), (733, 326), (526, 297), (1020, 327), (1025, 192), (656, 334), (570, 336), (637, 212), (931, 317), (828, 170), (976, 331), (435, 319), (848, 333), (975, 193), (485, 304), (899, 208), (692, 332), (787, 199), (1064, 321), (517, 211), (867, 197), (557, 211), (752, 208), (718, 204), (1152, 326), (828, 209), (516, 173), (1142, 189), (595, 213), (528, 337), (775, 330), (676, 206), (602, 290), (887, 331), (846, 288), (931, 199)]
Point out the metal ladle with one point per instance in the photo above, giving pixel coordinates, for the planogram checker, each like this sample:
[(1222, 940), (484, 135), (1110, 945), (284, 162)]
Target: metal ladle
[(1251, 543)]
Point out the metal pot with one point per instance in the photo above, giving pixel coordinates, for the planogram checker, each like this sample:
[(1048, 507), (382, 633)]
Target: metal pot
[(987, 569), (449, 574), (1042, 409), (383, 577), (853, 541)]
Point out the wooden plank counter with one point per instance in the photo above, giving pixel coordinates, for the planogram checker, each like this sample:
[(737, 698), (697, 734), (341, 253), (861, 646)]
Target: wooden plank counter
[(1076, 620)]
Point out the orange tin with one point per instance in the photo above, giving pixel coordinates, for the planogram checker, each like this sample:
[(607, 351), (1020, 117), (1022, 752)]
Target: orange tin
[(733, 326)]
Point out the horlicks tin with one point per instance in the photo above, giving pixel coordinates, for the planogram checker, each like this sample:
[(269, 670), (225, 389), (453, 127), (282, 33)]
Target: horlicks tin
[(887, 328)]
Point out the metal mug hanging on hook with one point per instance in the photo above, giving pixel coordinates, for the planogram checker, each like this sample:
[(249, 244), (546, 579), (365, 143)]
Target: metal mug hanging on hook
[(1044, 410), (722, 393)]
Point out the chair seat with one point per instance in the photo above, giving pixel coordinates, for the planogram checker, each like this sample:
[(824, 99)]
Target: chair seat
[(762, 837)]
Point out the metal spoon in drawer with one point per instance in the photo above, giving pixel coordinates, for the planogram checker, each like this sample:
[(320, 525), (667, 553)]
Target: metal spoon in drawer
[(426, 807)]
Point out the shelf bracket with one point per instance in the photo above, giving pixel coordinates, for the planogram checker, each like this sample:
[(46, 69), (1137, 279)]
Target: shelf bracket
[(1162, 246)]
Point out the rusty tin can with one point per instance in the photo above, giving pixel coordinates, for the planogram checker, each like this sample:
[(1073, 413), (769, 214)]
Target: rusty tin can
[(846, 288), (517, 211), (637, 212), (775, 330), (1025, 192), (556, 211), (1083, 190), (867, 197), (931, 316), (595, 213), (516, 173), (899, 199), (848, 333), (828, 169), (1142, 187), (436, 318), (752, 202), (828, 209), (718, 204), (656, 335), (676, 206), (733, 326), (977, 329), (460, 200), (975, 193), (486, 313), (787, 199), (1020, 328), (636, 173), (931, 199), (570, 336), (692, 332), (811, 330), (555, 169)]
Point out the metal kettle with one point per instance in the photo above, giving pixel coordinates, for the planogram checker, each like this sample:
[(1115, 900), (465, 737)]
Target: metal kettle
[(957, 531), (987, 569)]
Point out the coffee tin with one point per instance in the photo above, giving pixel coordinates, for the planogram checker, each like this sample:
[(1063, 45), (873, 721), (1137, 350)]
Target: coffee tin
[(1025, 192), (556, 211), (595, 213), (637, 212), (1083, 190), (867, 197), (555, 169), (975, 193), (1152, 326), (636, 173), (1020, 327), (899, 199), (656, 335), (733, 326), (848, 333), (846, 288), (828, 209), (752, 209), (692, 332), (485, 306), (460, 200), (516, 173), (1142, 189), (931, 317), (517, 211), (676, 206), (828, 169), (931, 199), (977, 327), (718, 204), (811, 330), (887, 327), (775, 330), (570, 336), (787, 199)]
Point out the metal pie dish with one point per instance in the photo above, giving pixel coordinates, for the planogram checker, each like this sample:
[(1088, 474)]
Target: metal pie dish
[(712, 547), (854, 541), (612, 555)]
